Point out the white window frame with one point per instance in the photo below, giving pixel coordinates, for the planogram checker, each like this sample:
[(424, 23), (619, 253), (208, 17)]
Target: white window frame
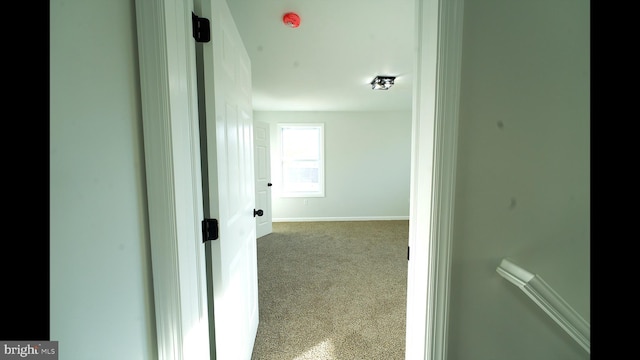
[(280, 190)]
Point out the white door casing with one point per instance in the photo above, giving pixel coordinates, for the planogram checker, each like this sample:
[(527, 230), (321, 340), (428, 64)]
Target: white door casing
[(433, 163), (262, 154), (226, 80), (166, 51)]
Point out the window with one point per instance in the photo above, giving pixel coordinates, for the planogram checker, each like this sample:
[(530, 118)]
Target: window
[(301, 160)]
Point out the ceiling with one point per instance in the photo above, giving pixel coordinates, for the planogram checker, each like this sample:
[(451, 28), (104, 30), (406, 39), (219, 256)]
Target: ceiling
[(327, 63)]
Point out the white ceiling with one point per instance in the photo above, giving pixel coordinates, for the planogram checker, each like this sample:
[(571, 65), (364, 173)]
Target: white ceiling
[(327, 63)]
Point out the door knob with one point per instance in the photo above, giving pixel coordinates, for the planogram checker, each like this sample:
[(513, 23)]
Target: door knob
[(269, 184), (258, 212)]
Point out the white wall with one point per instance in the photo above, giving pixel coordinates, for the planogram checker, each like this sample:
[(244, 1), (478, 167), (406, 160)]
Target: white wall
[(367, 166), (523, 186), (101, 304)]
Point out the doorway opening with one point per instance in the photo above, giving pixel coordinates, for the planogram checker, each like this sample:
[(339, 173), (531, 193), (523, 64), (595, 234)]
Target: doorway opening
[(434, 137)]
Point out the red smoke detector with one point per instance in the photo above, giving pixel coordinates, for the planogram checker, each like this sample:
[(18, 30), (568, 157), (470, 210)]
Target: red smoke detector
[(291, 20)]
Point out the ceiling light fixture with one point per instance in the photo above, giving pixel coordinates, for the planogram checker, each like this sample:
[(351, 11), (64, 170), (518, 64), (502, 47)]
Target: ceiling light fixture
[(382, 82)]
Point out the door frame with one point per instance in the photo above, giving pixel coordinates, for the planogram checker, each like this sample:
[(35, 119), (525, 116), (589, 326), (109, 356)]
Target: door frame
[(436, 99), (169, 98), (433, 162)]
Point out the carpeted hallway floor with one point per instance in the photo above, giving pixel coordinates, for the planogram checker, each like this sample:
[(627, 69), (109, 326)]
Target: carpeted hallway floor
[(332, 291)]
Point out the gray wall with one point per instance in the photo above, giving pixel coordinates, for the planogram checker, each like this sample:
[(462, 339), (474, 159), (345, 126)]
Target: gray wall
[(523, 186), (101, 304), (367, 166)]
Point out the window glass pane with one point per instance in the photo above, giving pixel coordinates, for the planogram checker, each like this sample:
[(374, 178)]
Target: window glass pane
[(301, 161), (300, 143), (301, 172)]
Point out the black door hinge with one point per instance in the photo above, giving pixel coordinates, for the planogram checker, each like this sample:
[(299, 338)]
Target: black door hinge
[(209, 229), (408, 249), (201, 28)]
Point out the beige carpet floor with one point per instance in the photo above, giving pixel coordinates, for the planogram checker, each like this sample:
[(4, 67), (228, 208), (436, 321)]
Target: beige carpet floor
[(332, 291)]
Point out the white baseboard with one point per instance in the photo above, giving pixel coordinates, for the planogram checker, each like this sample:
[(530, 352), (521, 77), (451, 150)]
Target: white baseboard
[(356, 218)]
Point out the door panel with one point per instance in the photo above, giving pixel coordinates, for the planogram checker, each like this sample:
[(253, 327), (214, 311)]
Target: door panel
[(262, 154), (226, 82)]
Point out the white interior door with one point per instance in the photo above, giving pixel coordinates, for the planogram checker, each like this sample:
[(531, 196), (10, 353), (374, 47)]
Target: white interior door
[(262, 154), (225, 74)]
